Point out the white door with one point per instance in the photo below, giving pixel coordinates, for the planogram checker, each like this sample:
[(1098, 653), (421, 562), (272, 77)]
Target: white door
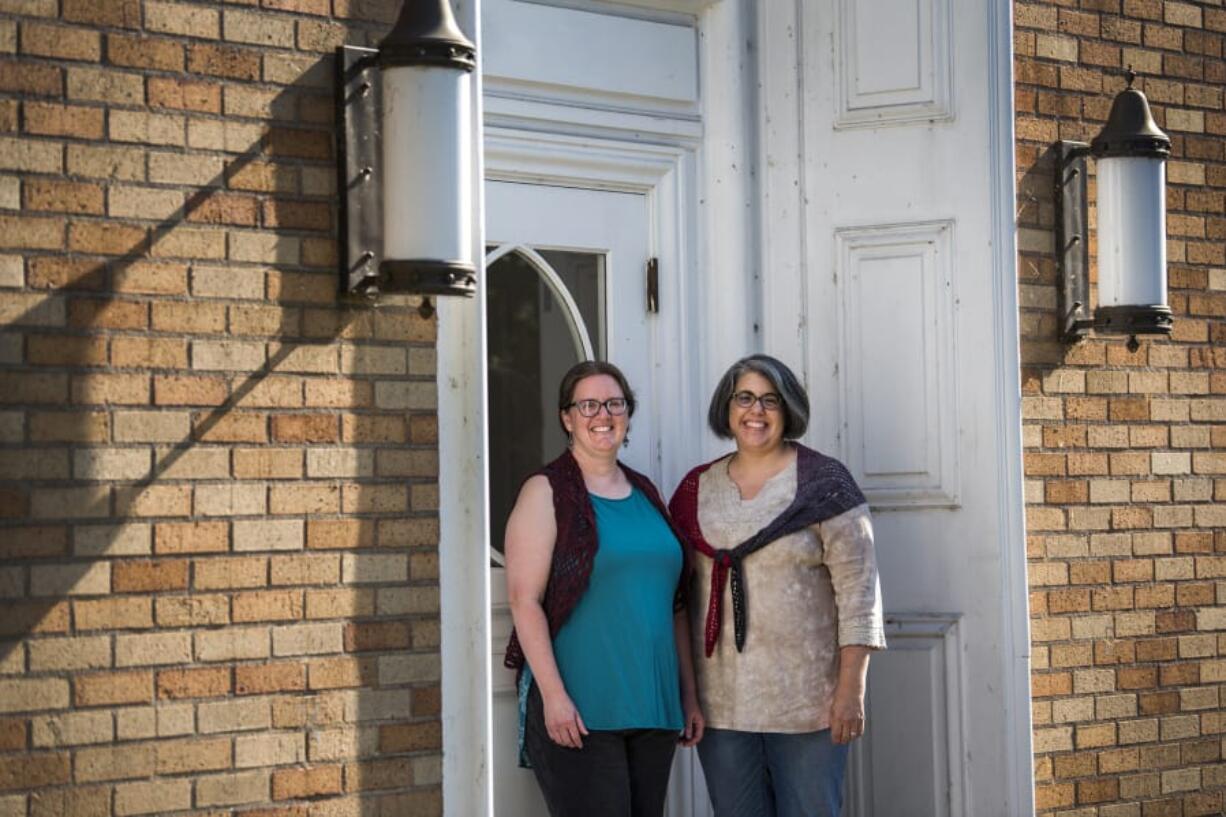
[(905, 327), (565, 278)]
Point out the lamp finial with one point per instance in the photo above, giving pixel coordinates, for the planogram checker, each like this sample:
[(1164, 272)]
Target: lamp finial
[(1130, 75)]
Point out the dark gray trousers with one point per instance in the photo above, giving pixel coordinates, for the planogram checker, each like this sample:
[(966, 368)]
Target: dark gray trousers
[(621, 773)]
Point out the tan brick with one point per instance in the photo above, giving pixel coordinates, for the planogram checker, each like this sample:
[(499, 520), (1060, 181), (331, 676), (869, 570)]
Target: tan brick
[(341, 673), (153, 500), (191, 537), (272, 605), (320, 36), (340, 603), (111, 688), (152, 649), (182, 19), (88, 84), (112, 463), (31, 233), (30, 78), (114, 763), (127, 539), (49, 654), (410, 669), (364, 568), (179, 756), (307, 639), (61, 42), (70, 580), (289, 784), (233, 643), (260, 679), (411, 737), (305, 569), (339, 533), (148, 353), (232, 789), (231, 499), (198, 463), (298, 500), (151, 426), (32, 695), (188, 611), (157, 53), (71, 729), (110, 389), (342, 743), (34, 771), (49, 195), (144, 202), (61, 350), (264, 248), (196, 682), (234, 716), (115, 613), (70, 503), (109, 238), (190, 243), (30, 156), (273, 749), (147, 128), (51, 119), (153, 797), (323, 463), (78, 801), (227, 355)]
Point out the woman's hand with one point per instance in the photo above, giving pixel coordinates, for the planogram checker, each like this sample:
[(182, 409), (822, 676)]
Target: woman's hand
[(847, 707), (847, 713), (695, 723), (562, 721)]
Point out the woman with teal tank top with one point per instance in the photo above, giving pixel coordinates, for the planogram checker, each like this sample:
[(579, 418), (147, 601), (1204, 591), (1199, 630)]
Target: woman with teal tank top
[(595, 574)]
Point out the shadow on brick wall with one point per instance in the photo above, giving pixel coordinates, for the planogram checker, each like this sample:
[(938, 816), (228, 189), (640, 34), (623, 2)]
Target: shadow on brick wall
[(218, 507)]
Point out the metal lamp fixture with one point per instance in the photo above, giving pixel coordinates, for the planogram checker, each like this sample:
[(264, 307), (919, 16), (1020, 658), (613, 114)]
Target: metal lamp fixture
[(404, 158), (1131, 153)]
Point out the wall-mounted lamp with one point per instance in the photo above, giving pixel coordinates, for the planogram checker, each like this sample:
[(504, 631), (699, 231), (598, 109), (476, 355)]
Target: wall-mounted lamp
[(405, 158), (1131, 154)]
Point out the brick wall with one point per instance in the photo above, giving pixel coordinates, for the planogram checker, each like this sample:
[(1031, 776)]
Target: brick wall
[(218, 566), (1126, 451)]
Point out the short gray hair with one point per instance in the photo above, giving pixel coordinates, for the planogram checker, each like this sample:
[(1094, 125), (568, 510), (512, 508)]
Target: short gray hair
[(795, 401)]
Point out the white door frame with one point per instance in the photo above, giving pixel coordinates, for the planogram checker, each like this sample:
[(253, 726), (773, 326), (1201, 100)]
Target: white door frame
[(731, 237)]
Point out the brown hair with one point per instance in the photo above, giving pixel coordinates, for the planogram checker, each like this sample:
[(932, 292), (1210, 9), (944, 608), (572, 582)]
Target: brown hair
[(590, 368)]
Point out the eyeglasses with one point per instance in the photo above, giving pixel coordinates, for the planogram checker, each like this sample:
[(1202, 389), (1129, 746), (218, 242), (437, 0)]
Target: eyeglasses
[(590, 408), (770, 401)]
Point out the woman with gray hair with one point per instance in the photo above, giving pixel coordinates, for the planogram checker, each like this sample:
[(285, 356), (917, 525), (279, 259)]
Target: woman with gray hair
[(786, 529)]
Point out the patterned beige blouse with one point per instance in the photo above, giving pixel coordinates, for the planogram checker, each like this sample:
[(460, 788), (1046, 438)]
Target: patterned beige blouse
[(807, 594)]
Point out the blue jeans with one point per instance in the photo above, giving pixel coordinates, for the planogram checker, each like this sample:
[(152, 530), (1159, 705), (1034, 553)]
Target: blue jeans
[(771, 774)]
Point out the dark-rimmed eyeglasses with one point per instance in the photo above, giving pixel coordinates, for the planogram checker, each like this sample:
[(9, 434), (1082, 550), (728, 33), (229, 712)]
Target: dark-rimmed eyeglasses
[(590, 408), (770, 401)]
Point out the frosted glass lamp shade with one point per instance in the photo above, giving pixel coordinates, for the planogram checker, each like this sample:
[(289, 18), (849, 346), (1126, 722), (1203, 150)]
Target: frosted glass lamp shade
[(427, 165), (1131, 231)]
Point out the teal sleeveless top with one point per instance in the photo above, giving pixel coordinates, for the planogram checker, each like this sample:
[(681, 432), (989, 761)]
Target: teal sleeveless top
[(617, 653)]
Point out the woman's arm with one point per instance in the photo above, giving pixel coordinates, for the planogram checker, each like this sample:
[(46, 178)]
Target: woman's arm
[(694, 721), (847, 543), (847, 707), (531, 534)]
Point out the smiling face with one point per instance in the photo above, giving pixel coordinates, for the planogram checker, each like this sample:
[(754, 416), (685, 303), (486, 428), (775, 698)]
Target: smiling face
[(754, 428), (600, 435)]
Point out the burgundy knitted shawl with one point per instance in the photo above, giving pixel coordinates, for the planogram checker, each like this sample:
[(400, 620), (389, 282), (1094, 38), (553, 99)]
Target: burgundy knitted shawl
[(824, 489), (575, 547)]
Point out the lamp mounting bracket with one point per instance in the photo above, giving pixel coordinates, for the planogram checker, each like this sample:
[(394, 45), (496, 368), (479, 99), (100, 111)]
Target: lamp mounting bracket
[(359, 183), (1072, 240)]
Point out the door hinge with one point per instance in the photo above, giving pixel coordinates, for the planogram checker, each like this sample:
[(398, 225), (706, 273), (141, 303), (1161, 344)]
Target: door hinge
[(653, 285)]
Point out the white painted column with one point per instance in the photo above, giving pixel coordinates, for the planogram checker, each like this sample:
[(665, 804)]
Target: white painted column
[(463, 510)]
